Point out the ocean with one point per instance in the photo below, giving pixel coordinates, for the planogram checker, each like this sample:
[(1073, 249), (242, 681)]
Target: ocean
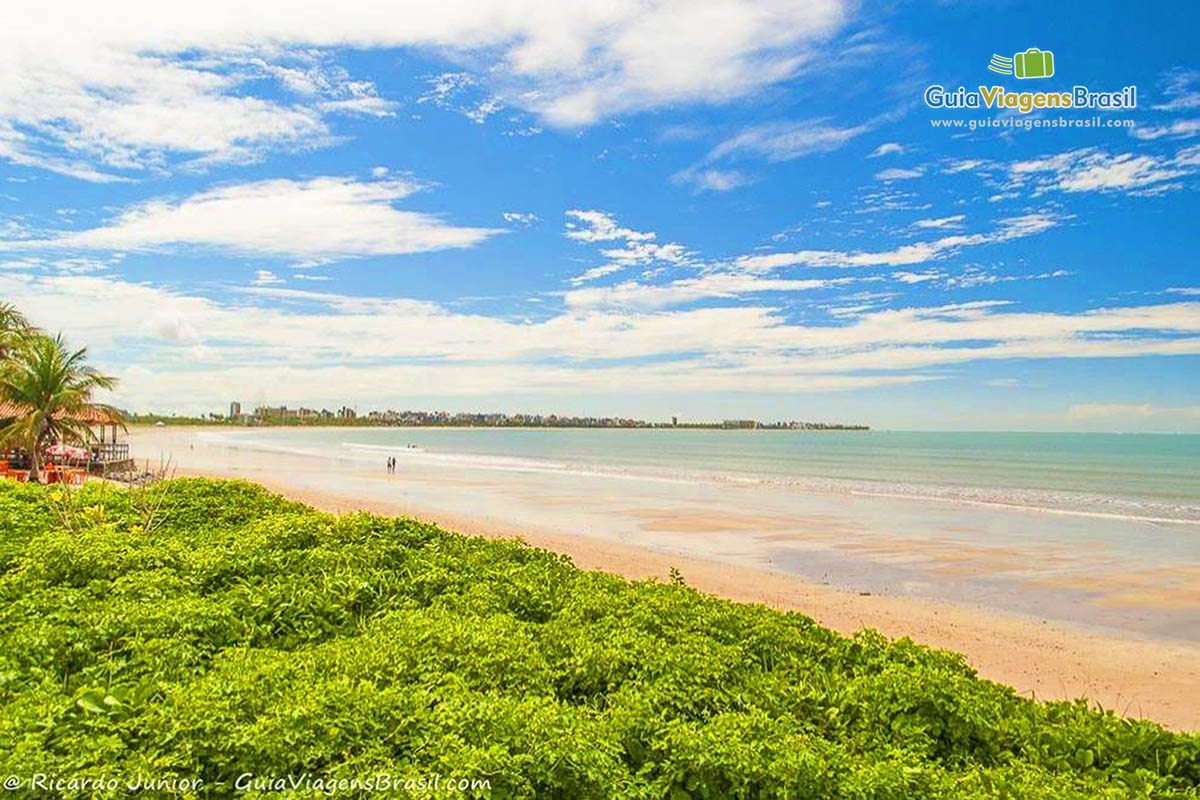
[(1145, 477)]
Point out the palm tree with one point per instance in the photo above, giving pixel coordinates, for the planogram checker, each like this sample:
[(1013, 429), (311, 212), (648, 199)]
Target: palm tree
[(47, 390), (13, 327)]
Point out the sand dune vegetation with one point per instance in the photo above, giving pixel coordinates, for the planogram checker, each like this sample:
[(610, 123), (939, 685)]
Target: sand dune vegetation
[(204, 629)]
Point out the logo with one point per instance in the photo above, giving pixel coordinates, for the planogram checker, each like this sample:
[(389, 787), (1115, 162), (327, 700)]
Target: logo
[(1033, 63)]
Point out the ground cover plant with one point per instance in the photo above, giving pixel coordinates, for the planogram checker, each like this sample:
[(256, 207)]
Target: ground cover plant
[(209, 629)]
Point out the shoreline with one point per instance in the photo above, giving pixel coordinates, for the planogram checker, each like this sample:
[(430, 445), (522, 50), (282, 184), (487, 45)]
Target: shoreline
[(1141, 677), (808, 484)]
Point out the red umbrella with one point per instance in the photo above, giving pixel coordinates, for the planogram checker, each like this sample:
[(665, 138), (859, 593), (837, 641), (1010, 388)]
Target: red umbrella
[(67, 451)]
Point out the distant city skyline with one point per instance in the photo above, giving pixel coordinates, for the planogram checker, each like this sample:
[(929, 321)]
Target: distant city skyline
[(703, 210), (303, 414)]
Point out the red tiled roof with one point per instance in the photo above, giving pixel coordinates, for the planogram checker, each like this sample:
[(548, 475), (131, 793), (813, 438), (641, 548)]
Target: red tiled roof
[(92, 416)]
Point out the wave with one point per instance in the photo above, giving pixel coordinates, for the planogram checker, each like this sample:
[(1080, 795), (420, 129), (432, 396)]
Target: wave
[(1075, 503), (516, 463), (235, 442)]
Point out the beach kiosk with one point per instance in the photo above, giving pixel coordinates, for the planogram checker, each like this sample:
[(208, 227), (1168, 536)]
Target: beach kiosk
[(106, 453)]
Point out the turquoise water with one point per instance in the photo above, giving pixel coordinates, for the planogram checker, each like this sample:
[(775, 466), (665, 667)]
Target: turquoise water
[(1139, 476)]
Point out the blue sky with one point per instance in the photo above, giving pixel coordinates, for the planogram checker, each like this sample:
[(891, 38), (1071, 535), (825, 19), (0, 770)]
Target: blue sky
[(706, 209)]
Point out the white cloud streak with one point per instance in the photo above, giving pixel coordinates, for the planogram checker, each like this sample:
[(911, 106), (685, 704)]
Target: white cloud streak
[(711, 179), (899, 174), (1182, 88), (637, 248), (688, 290), (1007, 229), (887, 149), (939, 223), (319, 218), (288, 337), (1094, 170), (1108, 411), (785, 141), (1181, 129)]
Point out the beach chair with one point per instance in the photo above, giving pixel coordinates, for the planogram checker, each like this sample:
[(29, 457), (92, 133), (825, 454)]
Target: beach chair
[(75, 477), (19, 475)]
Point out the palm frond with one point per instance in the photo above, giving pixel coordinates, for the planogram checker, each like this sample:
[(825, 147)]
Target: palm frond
[(48, 390)]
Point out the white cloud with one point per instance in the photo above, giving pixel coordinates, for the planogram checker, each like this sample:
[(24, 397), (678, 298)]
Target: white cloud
[(445, 86), (887, 149), (888, 199), (1094, 411), (973, 276), (1181, 129), (13, 146), (75, 265), (1094, 170), (75, 102), (264, 277), (1006, 230), (784, 141), (713, 285), (899, 174), (521, 219), (170, 327), (1182, 86), (318, 218), (526, 131), (918, 277), (97, 90), (595, 273), (955, 166), (461, 93), (484, 109), (273, 336), (637, 248), (599, 226), (774, 141), (711, 179), (939, 223)]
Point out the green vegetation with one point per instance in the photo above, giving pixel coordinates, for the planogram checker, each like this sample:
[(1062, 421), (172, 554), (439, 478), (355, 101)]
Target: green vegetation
[(14, 327), (205, 629), (173, 419)]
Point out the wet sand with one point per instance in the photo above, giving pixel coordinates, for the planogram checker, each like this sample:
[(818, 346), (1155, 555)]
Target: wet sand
[(1140, 676)]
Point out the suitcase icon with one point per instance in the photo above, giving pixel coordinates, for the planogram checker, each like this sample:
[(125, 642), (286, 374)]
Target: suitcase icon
[(1033, 63)]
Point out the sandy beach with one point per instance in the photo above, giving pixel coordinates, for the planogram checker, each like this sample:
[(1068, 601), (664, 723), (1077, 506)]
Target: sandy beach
[(1040, 656)]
